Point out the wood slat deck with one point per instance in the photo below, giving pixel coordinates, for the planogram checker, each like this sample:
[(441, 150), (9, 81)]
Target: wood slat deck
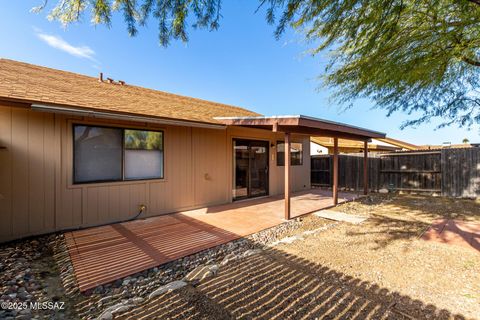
[(104, 254)]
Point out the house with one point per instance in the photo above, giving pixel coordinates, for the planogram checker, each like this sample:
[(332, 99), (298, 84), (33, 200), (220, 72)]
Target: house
[(448, 145), (79, 151), (324, 145)]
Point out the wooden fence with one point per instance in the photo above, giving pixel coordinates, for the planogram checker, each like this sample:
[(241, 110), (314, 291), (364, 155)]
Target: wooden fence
[(450, 172)]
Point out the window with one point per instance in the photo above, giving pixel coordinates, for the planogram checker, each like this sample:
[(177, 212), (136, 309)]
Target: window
[(113, 154), (98, 154), (296, 153), (143, 154)]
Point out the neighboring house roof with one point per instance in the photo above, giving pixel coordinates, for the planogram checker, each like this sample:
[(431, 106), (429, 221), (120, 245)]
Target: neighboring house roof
[(23, 82), (399, 143), (449, 146), (352, 145)]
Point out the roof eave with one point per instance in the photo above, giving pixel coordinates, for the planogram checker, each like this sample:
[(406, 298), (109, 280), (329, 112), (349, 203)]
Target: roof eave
[(304, 124), (93, 113)]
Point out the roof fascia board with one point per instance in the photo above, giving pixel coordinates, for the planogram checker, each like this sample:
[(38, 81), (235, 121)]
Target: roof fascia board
[(13, 103), (299, 120), (381, 134), (325, 133), (340, 127), (126, 117), (257, 121)]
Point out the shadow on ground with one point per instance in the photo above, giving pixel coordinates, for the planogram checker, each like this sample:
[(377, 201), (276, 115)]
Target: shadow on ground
[(407, 217), (276, 285), (279, 285)]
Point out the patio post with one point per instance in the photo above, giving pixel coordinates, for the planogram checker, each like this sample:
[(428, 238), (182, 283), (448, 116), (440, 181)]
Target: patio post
[(335, 171), (287, 175), (365, 167)]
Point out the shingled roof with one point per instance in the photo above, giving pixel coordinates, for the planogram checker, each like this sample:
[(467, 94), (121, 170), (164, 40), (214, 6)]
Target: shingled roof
[(23, 82)]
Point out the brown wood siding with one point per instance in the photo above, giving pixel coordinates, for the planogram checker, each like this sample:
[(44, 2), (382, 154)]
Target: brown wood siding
[(210, 167), (6, 173), (37, 195), (27, 173)]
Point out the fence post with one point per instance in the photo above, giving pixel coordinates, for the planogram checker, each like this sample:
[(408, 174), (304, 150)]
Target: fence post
[(335, 171), (443, 172), (365, 167)]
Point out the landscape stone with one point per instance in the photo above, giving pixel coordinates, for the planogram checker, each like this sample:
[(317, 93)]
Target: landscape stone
[(202, 272), (228, 258), (167, 288), (251, 252)]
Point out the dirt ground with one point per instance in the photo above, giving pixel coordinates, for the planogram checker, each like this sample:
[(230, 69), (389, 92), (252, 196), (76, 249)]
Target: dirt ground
[(379, 269), (386, 251)]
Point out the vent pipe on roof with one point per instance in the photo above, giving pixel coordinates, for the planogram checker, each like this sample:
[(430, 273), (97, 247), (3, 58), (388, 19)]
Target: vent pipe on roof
[(109, 80)]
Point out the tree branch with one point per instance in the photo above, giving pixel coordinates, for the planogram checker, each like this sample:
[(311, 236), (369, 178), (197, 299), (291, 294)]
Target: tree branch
[(475, 1), (471, 61)]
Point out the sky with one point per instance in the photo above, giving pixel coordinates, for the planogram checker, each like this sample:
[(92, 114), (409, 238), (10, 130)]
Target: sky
[(240, 64)]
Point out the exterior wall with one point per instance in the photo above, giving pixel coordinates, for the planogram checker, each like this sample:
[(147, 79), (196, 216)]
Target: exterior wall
[(37, 194), (300, 174), (27, 173)]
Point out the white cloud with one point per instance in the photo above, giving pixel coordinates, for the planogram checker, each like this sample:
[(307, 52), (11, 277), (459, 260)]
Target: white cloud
[(58, 43)]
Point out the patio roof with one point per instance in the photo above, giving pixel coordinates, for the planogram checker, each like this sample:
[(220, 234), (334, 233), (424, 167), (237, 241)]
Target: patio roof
[(313, 127), (303, 125)]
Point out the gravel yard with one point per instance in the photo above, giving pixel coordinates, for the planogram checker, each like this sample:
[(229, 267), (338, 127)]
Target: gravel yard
[(377, 269), (30, 274), (319, 268), (386, 251)]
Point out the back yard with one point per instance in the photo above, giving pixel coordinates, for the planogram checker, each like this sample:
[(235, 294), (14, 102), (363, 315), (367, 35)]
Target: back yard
[(306, 268)]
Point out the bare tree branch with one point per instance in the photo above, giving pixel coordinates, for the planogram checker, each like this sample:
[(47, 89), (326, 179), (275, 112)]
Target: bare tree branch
[(471, 61)]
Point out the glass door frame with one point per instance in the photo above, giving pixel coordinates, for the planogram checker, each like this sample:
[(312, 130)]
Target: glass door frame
[(249, 171)]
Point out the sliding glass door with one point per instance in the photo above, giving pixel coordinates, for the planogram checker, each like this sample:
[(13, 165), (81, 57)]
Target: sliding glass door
[(250, 168)]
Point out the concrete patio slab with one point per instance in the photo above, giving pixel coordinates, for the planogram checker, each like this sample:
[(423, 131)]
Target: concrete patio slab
[(339, 216)]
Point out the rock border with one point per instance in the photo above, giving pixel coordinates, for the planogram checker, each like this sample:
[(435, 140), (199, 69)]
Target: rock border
[(62, 258)]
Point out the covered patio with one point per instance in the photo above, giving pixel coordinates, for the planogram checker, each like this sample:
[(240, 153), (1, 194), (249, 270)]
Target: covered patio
[(305, 125), (103, 254)]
